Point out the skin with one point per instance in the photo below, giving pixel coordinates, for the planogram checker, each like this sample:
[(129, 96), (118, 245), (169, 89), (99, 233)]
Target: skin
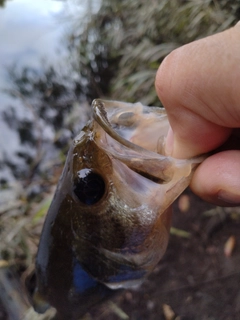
[(198, 85)]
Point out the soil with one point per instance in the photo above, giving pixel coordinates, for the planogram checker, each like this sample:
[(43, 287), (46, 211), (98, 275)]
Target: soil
[(195, 280)]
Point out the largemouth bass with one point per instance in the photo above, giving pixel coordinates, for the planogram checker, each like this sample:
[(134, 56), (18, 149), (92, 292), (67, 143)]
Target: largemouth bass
[(108, 224)]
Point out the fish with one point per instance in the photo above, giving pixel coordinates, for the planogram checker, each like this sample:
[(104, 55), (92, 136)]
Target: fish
[(109, 221)]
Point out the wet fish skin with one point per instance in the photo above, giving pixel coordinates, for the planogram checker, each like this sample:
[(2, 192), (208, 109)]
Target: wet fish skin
[(108, 224)]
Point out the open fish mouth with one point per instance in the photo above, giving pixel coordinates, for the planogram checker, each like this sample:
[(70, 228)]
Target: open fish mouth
[(108, 224), (136, 136)]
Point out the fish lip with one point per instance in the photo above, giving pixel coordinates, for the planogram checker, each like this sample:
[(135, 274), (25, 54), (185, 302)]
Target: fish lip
[(163, 164), (133, 150), (100, 116)]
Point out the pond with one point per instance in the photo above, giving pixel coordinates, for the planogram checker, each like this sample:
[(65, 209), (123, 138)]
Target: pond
[(32, 37), (29, 32)]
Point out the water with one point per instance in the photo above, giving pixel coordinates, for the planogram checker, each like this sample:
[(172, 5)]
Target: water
[(33, 35), (29, 32)]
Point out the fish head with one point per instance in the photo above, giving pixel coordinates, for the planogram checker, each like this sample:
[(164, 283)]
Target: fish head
[(108, 224)]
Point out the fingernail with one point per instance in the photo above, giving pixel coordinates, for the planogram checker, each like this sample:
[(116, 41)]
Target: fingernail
[(169, 142), (230, 198)]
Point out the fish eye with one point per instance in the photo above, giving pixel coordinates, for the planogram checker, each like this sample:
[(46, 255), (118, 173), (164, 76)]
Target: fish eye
[(89, 186)]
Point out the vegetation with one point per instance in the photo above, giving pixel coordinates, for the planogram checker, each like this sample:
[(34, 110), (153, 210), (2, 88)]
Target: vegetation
[(124, 43), (2, 3)]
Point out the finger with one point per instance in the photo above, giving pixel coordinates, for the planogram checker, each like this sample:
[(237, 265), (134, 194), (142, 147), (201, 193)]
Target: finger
[(199, 86), (217, 179)]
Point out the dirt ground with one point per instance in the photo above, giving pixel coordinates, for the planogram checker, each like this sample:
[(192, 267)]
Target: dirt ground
[(195, 280)]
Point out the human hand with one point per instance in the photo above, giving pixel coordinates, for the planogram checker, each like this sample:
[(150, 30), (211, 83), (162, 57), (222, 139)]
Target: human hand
[(199, 85)]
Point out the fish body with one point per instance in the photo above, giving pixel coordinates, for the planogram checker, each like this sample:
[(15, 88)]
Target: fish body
[(108, 224)]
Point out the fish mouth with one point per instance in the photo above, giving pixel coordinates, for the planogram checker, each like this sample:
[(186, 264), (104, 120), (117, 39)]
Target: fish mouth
[(115, 117), (135, 134)]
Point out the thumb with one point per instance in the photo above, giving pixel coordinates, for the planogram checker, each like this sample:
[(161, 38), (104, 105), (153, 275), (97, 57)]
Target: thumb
[(198, 85)]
